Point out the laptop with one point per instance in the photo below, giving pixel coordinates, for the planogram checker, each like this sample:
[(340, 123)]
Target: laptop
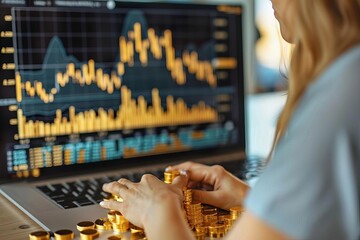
[(92, 91)]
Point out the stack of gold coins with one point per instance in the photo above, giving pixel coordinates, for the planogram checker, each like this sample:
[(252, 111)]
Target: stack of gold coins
[(121, 224), (235, 212), (225, 218), (216, 230), (39, 235), (228, 222), (111, 215), (170, 175), (210, 217), (201, 229), (64, 234), (199, 236), (103, 224), (188, 198), (194, 215), (87, 230)]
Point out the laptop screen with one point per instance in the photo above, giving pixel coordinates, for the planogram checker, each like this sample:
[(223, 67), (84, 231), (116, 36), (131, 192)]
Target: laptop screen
[(95, 83)]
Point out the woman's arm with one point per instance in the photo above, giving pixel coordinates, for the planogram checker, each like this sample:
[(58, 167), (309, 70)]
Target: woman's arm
[(167, 221), (251, 227)]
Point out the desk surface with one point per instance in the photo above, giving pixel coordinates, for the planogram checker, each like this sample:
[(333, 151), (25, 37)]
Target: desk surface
[(14, 224)]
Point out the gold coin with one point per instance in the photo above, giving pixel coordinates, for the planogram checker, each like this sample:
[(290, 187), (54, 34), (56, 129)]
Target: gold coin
[(39, 235), (217, 228), (138, 236), (135, 229), (209, 211), (64, 234), (85, 225), (223, 217), (114, 238), (118, 198), (89, 234)]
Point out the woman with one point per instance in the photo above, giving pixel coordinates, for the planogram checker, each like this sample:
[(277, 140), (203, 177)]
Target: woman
[(311, 187)]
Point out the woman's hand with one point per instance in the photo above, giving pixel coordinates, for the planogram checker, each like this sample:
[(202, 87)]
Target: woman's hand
[(226, 190), (146, 200)]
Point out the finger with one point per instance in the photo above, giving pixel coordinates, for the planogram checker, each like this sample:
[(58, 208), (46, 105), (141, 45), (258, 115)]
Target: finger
[(111, 204), (115, 188), (203, 174), (149, 178), (129, 184), (208, 197), (181, 180), (187, 165)]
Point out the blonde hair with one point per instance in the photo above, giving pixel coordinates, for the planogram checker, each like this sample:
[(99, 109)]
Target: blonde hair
[(324, 30)]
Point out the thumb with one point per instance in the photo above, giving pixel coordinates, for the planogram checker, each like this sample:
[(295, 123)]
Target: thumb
[(181, 180)]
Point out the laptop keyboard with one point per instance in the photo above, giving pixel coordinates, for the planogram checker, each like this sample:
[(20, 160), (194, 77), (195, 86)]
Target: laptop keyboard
[(85, 192), (89, 192)]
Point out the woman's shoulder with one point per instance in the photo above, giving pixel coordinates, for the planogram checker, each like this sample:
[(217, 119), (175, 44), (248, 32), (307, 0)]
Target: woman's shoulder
[(341, 76), (334, 97)]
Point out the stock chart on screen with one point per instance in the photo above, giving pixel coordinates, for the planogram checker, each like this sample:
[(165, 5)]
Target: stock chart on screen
[(90, 83)]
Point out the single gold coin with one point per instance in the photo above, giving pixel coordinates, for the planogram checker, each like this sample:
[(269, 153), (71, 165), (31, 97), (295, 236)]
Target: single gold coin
[(118, 198), (64, 234), (89, 234), (138, 236), (85, 225), (223, 217), (136, 229), (39, 235), (114, 238)]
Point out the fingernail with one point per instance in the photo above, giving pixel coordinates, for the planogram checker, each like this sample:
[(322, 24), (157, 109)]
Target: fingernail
[(168, 169), (102, 203), (184, 172)]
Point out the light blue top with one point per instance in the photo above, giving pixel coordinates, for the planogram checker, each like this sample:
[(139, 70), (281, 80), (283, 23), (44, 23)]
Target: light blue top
[(311, 187)]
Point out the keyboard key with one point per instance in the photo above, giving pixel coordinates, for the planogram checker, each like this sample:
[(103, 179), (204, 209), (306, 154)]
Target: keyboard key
[(67, 205), (83, 202)]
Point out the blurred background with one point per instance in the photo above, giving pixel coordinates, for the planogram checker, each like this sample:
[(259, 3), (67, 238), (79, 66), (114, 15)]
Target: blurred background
[(272, 52), (269, 92)]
